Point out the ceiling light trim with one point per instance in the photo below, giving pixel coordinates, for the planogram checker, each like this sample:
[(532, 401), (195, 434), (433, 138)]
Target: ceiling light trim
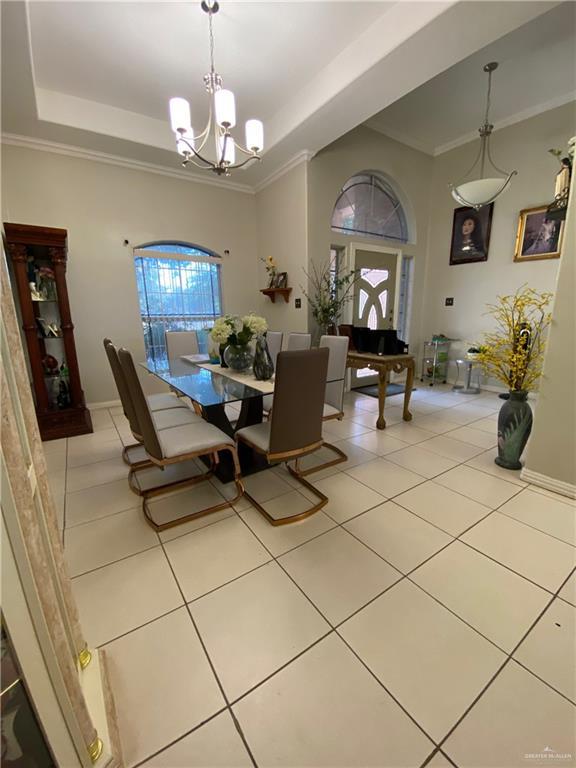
[(43, 145)]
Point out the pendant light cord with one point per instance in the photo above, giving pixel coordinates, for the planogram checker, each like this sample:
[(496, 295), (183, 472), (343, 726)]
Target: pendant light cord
[(211, 34)]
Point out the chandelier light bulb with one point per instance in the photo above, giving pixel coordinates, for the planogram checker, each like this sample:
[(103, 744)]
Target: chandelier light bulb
[(254, 135), (180, 115), (228, 148), (185, 143), (225, 108)]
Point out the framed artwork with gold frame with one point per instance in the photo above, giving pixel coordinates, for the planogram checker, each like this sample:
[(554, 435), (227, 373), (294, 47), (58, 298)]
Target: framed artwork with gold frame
[(538, 237)]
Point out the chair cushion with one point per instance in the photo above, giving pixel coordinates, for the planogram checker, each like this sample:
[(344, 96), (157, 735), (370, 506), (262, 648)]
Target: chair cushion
[(199, 438), (174, 417), (330, 411), (164, 401), (267, 402), (257, 434)]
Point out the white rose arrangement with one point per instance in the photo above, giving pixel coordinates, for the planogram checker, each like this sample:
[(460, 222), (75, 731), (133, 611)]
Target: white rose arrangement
[(238, 331)]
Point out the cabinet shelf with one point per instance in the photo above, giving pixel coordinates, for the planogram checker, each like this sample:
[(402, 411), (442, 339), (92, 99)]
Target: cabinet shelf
[(273, 292)]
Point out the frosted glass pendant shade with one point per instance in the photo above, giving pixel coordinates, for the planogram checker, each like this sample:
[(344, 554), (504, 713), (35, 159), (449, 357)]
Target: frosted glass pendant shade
[(254, 135), (225, 108), (180, 115), (481, 191), (185, 147), (229, 151)]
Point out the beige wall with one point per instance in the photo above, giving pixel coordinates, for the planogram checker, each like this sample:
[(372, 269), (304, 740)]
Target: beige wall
[(101, 205), (552, 448), (523, 147), (409, 170), (281, 211)]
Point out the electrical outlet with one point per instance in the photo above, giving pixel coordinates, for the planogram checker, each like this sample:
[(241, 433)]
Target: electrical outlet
[(298, 303), (449, 301)]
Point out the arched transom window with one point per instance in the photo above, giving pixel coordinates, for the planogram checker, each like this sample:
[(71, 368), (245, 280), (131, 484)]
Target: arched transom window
[(368, 205)]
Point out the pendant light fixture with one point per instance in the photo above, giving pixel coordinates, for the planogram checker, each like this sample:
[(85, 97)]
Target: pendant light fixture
[(486, 188), (221, 118)]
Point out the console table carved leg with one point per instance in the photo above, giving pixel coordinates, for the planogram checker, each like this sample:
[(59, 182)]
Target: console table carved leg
[(382, 383), (406, 415)]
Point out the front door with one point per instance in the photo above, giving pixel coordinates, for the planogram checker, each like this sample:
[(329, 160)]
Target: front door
[(374, 300)]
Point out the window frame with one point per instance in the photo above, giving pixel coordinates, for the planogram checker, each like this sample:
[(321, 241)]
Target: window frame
[(198, 255)]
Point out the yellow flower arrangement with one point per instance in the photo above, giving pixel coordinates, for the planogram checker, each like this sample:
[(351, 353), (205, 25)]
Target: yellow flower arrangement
[(271, 268), (514, 352)]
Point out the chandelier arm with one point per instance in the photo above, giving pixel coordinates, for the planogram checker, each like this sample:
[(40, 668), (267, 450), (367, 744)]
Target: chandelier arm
[(493, 164), (244, 150), (245, 162), (474, 164)]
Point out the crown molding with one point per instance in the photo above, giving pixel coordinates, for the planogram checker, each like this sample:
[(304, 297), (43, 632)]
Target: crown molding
[(302, 157), (518, 117), (43, 145)]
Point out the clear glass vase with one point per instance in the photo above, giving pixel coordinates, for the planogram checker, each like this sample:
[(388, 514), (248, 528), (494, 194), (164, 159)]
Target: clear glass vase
[(238, 357)]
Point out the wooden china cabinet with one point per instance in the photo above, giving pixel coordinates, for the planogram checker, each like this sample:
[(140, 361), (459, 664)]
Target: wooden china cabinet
[(38, 256)]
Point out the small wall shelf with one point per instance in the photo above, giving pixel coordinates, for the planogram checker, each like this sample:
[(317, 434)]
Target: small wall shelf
[(273, 292)]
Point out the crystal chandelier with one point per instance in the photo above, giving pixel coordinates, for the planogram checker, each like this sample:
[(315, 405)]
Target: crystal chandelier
[(221, 118), (483, 190)]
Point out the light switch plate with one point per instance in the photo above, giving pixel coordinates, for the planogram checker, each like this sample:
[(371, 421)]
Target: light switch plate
[(449, 301)]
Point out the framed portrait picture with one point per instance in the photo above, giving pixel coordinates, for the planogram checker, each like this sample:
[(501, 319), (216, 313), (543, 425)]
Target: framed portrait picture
[(538, 237), (470, 234), (281, 280)]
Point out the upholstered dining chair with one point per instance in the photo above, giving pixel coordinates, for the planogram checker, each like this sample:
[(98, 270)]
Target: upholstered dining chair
[(178, 444), (334, 400), (167, 409), (295, 427), (298, 341), (274, 341), (180, 343)]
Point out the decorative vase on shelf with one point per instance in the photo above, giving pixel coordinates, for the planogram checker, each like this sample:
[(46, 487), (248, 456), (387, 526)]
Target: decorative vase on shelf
[(263, 366), (222, 349), (514, 427), (238, 357)]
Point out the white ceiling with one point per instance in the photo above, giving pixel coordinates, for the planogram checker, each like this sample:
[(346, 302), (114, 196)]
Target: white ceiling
[(97, 75), (537, 71)]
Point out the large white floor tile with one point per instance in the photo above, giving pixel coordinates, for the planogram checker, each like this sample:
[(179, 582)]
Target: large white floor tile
[(450, 448), (101, 419), (421, 461), (120, 597), (549, 649), (488, 424), (101, 472), (78, 457), (427, 658), (355, 453), (282, 538), (436, 423), (255, 625), (326, 709), (549, 515), (348, 497), (82, 442), (494, 600), (209, 557), (410, 432), (217, 744), (568, 591), (400, 537), (442, 507), (266, 485), (100, 501), (487, 490), (55, 462), (519, 721), (385, 478), (485, 462), (535, 555), (340, 430), (55, 446), (106, 540), (187, 501), (379, 442), (474, 436), (163, 685), (338, 573)]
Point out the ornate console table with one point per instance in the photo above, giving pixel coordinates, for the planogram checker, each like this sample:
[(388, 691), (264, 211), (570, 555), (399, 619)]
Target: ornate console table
[(383, 364)]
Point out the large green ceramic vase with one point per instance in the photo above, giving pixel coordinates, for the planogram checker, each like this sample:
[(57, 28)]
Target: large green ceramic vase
[(514, 427)]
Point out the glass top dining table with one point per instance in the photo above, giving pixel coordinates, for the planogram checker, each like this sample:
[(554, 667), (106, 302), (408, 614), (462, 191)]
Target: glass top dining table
[(205, 387)]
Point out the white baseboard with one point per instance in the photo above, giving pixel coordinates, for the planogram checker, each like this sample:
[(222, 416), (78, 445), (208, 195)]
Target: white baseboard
[(104, 404), (549, 483)]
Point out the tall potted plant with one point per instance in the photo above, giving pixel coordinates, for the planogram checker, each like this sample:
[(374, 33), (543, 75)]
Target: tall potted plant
[(514, 354), (329, 291)]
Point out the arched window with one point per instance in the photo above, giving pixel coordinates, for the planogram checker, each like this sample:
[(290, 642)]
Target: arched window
[(178, 290), (368, 205)]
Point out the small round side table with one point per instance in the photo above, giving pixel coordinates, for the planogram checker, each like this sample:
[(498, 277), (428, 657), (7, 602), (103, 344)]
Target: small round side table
[(470, 367)]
